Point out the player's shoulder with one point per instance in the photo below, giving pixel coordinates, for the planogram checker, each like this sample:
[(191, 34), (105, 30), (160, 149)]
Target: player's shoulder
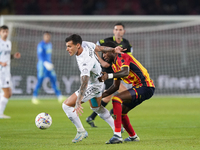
[(40, 43), (123, 56), (86, 44), (125, 40), (102, 41)]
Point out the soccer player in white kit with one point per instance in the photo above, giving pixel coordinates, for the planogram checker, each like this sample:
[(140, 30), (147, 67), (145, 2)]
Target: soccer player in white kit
[(91, 88), (5, 76)]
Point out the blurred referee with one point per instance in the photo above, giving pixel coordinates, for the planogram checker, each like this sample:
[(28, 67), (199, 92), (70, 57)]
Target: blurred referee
[(118, 31)]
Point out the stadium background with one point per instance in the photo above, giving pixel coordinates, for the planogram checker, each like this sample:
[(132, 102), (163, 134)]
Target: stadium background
[(171, 54)]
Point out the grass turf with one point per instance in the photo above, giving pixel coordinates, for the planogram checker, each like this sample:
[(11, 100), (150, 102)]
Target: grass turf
[(161, 123)]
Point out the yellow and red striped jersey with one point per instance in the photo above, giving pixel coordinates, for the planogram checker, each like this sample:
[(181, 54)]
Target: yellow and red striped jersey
[(138, 75)]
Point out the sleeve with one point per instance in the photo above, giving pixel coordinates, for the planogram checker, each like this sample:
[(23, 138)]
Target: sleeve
[(101, 42), (39, 52)]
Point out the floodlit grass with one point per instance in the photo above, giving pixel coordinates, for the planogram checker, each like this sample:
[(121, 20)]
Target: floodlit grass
[(161, 123)]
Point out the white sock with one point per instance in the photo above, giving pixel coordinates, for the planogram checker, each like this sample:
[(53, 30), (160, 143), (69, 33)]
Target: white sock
[(105, 115), (3, 103), (73, 117), (60, 98), (134, 136), (118, 133)]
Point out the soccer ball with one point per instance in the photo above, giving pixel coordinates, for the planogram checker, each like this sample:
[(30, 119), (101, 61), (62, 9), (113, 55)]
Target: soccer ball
[(43, 120)]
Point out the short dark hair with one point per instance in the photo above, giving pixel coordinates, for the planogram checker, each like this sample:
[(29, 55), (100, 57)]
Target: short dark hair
[(120, 24), (4, 27), (110, 44), (46, 32), (75, 38)]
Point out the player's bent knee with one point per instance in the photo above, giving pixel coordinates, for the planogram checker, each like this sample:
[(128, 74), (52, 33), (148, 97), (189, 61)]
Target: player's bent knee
[(102, 112)]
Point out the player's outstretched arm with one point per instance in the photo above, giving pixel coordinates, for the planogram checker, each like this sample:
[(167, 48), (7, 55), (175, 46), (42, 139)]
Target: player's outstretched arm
[(117, 49), (112, 89), (84, 82)]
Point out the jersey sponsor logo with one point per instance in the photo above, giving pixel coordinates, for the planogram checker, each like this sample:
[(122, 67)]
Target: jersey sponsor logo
[(90, 91)]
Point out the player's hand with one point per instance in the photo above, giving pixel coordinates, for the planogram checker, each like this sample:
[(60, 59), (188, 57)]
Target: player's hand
[(104, 77), (78, 108), (3, 64), (49, 66), (119, 50), (17, 55)]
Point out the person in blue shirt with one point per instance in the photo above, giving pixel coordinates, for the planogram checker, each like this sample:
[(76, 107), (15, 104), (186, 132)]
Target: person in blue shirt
[(45, 68)]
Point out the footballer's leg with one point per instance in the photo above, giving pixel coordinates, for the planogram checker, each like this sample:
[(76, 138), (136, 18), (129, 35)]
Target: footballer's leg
[(95, 105), (117, 101), (7, 92), (40, 76), (139, 95), (68, 107), (104, 102), (53, 79), (90, 119), (127, 125), (121, 89)]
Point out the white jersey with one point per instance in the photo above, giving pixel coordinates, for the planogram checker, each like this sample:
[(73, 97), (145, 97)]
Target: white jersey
[(88, 62), (5, 77), (5, 50)]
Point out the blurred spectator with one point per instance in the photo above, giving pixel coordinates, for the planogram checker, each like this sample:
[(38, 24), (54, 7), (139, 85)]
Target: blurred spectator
[(105, 7), (5, 7), (88, 7), (32, 8), (127, 10)]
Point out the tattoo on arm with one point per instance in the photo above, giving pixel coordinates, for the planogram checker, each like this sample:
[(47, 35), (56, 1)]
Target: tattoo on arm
[(104, 49), (84, 83)]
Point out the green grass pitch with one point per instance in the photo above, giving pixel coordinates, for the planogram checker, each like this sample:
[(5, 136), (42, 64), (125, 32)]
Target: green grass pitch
[(161, 123)]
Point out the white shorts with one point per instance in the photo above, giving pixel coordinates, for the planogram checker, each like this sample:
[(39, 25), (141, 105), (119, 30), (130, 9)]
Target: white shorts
[(5, 80), (93, 90)]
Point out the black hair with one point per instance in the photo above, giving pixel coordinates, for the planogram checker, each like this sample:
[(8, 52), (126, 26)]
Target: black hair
[(75, 38), (120, 24), (46, 32), (110, 44), (4, 27)]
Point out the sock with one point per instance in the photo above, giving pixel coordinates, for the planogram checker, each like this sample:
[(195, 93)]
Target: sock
[(111, 112), (105, 115), (127, 125), (117, 109), (94, 114), (73, 117), (3, 103), (104, 103)]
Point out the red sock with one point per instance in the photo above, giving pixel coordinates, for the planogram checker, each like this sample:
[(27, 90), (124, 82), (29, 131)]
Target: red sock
[(117, 110), (127, 125)]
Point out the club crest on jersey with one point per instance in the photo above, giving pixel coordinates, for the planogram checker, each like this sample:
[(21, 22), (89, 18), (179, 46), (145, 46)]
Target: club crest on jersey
[(85, 70)]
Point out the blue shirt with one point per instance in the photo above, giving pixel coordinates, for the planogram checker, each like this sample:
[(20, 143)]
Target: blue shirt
[(44, 51)]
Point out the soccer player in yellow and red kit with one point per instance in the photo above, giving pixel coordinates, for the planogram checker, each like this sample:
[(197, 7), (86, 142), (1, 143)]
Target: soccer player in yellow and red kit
[(131, 71)]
